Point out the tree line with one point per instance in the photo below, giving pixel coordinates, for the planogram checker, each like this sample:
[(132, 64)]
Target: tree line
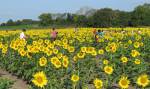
[(105, 17)]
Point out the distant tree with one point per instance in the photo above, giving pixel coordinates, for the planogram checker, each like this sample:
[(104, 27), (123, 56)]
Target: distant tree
[(141, 15), (103, 18), (88, 17), (60, 21), (27, 21), (69, 18), (45, 19), (3, 24), (18, 22), (124, 19), (10, 22), (80, 20)]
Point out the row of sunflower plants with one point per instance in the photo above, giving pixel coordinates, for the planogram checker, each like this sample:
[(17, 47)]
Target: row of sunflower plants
[(76, 61)]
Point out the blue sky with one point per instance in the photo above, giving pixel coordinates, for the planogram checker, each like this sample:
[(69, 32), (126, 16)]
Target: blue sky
[(19, 9)]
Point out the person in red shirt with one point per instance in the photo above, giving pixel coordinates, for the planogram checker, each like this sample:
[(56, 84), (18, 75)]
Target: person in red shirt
[(54, 34), (95, 35)]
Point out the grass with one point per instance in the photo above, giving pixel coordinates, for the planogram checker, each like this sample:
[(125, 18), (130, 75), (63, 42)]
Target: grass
[(5, 83)]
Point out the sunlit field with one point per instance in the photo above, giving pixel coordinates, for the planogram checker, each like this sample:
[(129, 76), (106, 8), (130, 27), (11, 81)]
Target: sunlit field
[(119, 60)]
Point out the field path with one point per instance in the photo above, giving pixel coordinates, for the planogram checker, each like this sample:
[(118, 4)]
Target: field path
[(18, 83)]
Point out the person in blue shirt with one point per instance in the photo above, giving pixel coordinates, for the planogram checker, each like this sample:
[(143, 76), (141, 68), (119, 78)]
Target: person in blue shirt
[(100, 33)]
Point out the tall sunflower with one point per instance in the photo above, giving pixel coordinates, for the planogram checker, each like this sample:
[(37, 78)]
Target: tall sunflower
[(40, 79), (75, 78), (43, 61), (143, 80), (98, 83), (65, 62), (108, 69), (124, 82)]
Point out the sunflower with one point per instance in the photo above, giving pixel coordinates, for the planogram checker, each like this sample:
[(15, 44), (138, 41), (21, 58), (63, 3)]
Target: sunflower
[(55, 51), (98, 83), (43, 61), (75, 58), (75, 78), (40, 41), (40, 79), (138, 37), (71, 49), (101, 51), (22, 52), (141, 44), (65, 41), (113, 47), (65, 46), (135, 53), (124, 59), (129, 42), (136, 44), (51, 46), (108, 69), (1, 45), (124, 82), (90, 49), (49, 53), (83, 49), (46, 41), (53, 60), (107, 48), (81, 55), (143, 80), (105, 62), (65, 62), (137, 61), (94, 53), (57, 64), (59, 55)]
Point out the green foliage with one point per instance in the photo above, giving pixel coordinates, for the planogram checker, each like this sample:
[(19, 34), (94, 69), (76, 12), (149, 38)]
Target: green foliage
[(5, 83), (45, 19), (104, 17)]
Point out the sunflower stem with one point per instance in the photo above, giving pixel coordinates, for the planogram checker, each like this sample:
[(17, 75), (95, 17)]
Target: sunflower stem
[(74, 86)]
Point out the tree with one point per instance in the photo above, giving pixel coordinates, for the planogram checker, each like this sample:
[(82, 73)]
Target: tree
[(18, 22), (3, 24), (10, 22), (69, 18), (27, 21), (80, 20), (124, 19), (141, 15), (103, 18), (45, 19)]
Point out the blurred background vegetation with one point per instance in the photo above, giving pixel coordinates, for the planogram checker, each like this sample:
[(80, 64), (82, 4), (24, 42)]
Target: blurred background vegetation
[(86, 17)]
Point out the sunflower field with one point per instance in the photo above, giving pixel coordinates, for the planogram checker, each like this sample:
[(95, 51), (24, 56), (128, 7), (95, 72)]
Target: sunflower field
[(119, 60)]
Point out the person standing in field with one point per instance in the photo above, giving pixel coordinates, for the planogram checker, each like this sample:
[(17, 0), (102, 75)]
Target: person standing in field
[(54, 34), (95, 37), (75, 29), (22, 34), (94, 33), (99, 35)]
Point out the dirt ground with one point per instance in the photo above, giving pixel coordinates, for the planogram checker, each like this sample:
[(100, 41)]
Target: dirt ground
[(18, 83)]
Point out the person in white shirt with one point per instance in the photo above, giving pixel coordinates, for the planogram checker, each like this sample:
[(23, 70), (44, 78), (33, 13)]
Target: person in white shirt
[(22, 35), (75, 29)]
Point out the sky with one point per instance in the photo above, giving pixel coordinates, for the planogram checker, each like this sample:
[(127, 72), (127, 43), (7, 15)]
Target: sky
[(31, 9)]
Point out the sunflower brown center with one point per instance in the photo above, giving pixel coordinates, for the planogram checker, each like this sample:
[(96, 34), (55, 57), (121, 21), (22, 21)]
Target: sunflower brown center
[(39, 79)]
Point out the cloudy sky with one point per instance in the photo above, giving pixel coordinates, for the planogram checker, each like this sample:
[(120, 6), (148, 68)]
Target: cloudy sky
[(31, 9)]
